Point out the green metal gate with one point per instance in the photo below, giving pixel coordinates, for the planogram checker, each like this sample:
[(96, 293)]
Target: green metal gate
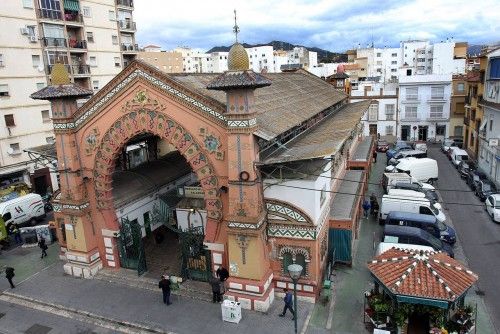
[(340, 243), (131, 247)]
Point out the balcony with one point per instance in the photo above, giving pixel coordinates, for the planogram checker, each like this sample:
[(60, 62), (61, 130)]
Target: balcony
[(80, 70), (73, 18), (125, 3), (78, 46), (491, 91), (410, 118), (54, 42), (437, 117), (48, 68), (130, 47), (127, 25), (51, 14)]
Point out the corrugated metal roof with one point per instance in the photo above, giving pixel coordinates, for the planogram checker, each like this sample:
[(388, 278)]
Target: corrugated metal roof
[(292, 98), (325, 138)]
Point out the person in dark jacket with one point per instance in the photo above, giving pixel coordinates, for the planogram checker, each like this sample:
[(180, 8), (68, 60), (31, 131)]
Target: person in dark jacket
[(9, 274), (215, 283), (366, 208), (222, 273), (43, 246), (164, 285), (375, 155), (288, 303)]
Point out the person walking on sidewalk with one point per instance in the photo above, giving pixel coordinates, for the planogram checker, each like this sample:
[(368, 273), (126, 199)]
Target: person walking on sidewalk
[(216, 284), (164, 285), (9, 274), (288, 304), (222, 273), (43, 246), (366, 208), (375, 156)]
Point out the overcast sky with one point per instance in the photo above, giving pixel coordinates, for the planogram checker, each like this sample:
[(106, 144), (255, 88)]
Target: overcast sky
[(335, 25)]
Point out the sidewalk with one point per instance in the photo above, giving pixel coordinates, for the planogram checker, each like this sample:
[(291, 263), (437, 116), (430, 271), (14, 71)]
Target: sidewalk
[(145, 308)]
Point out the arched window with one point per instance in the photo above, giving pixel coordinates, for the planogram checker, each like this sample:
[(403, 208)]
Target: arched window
[(301, 260), (287, 260)]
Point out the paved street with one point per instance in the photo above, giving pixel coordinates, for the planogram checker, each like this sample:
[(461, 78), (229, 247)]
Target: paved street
[(479, 235)]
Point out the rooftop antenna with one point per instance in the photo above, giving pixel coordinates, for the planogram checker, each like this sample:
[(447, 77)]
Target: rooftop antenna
[(236, 29)]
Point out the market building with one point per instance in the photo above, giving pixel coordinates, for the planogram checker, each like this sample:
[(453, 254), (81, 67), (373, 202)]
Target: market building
[(237, 169)]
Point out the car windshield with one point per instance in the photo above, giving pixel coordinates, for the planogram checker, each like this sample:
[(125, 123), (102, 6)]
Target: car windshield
[(403, 171), (464, 157), (486, 187), (447, 142), (435, 242), (441, 226)]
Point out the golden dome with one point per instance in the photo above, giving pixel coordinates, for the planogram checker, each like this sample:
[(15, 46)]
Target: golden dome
[(59, 75), (237, 59)]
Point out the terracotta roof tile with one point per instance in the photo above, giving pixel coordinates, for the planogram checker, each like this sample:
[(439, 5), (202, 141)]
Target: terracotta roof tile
[(432, 275)]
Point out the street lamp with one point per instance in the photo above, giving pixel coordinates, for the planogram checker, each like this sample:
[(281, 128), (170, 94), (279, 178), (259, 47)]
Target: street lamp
[(295, 270)]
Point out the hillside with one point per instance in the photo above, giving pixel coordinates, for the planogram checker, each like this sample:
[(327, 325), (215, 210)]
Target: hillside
[(324, 56)]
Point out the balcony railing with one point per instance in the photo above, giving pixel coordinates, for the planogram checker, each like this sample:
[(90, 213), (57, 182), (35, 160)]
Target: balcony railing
[(48, 68), (76, 44), (55, 42), (130, 47), (126, 3), (80, 70), (52, 14), (73, 17), (127, 25), (436, 116)]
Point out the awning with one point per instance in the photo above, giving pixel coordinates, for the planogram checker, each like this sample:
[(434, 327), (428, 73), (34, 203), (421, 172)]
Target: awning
[(72, 5)]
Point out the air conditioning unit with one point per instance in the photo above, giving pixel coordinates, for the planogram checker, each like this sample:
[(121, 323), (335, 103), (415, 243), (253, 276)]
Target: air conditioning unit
[(24, 31), (33, 39)]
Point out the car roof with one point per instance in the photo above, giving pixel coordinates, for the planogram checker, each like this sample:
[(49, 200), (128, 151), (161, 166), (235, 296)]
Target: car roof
[(413, 216), (405, 230), (459, 151)]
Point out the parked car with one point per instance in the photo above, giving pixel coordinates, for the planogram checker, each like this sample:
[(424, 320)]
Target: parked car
[(425, 222), (493, 207), (465, 167), (420, 146), (430, 194), (398, 146), (382, 146), (451, 142), (458, 155), (473, 177), (406, 154), (389, 180), (416, 236), (484, 188)]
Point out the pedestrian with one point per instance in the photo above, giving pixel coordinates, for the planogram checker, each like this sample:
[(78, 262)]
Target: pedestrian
[(373, 200), (164, 285), (43, 246), (375, 156), (17, 234), (215, 283), (288, 304), (9, 274), (366, 208), (222, 273)]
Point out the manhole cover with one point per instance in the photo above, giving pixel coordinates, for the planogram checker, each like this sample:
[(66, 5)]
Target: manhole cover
[(38, 329), (480, 292)]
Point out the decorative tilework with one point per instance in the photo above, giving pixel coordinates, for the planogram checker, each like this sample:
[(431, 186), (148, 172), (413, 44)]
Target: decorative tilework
[(58, 207), (288, 211)]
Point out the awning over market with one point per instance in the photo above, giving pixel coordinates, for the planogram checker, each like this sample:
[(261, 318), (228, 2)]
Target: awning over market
[(418, 277)]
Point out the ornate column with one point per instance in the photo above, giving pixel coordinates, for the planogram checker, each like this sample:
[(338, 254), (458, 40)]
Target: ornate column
[(72, 207), (247, 251)]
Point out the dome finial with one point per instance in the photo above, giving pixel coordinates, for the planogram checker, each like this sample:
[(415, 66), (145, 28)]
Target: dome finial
[(236, 29)]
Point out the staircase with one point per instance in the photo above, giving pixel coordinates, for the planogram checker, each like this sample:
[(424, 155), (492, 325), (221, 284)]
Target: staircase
[(191, 289)]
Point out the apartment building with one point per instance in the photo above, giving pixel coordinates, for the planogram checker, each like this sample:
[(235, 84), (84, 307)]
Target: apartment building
[(166, 61), (424, 106), (261, 58), (457, 105), (93, 39), (381, 117), (489, 131)]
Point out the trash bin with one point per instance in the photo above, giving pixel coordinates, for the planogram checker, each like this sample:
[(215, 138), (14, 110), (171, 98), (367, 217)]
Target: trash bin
[(231, 311)]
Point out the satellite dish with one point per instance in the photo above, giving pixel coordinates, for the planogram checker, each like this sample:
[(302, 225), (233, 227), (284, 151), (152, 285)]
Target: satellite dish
[(10, 151)]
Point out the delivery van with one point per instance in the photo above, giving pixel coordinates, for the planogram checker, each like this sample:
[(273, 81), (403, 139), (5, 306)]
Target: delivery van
[(458, 155), (23, 210), (414, 236), (425, 222), (423, 170), (389, 180), (409, 204)]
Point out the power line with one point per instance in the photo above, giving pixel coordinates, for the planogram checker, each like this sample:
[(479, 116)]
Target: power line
[(361, 195)]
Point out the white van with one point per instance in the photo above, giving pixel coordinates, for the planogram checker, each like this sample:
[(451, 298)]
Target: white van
[(389, 180), (458, 155), (409, 204), (423, 170), (385, 246), (21, 210), (412, 194)]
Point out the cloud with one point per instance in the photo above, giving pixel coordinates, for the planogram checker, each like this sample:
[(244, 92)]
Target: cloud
[(335, 25)]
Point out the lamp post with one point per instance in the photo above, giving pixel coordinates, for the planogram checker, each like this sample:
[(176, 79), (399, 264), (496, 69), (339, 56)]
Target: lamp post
[(295, 270)]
